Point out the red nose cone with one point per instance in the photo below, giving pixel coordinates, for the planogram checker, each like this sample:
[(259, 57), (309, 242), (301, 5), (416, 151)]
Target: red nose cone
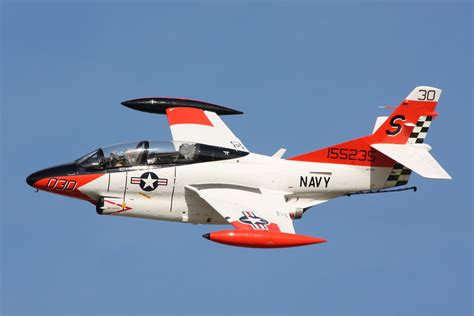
[(64, 185), (261, 239)]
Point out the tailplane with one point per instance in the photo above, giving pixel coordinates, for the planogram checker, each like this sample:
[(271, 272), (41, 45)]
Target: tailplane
[(415, 157)]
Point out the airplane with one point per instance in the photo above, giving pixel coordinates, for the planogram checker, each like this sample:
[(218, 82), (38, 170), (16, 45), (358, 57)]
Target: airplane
[(206, 175)]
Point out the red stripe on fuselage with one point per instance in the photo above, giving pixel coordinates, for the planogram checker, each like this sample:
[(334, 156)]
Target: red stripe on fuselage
[(355, 152), (358, 152)]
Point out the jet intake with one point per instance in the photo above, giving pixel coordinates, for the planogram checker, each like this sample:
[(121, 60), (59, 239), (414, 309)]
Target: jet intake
[(107, 206), (137, 206)]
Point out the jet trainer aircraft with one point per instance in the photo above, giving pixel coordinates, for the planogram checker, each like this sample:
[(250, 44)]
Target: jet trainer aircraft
[(207, 176)]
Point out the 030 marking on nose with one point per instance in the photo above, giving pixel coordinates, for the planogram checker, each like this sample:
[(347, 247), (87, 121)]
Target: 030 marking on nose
[(61, 184)]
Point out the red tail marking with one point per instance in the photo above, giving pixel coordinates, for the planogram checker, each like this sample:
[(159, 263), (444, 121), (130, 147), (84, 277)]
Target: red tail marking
[(395, 130), (408, 112)]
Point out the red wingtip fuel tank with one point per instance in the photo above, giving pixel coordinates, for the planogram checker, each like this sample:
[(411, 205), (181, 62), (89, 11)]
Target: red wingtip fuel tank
[(261, 239)]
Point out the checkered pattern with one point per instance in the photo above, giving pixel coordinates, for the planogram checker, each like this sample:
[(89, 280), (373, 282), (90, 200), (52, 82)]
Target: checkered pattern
[(421, 129), (399, 176)]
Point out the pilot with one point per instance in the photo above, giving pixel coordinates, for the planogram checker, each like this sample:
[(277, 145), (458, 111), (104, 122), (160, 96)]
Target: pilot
[(116, 160), (151, 160), (130, 157)]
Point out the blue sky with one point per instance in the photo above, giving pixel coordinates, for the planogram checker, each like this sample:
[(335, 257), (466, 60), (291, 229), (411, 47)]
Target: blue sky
[(307, 75)]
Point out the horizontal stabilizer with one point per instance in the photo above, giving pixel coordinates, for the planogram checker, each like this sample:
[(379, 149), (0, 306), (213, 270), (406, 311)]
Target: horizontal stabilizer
[(415, 157)]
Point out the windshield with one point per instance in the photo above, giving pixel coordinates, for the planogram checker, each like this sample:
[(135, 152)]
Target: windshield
[(154, 153), (92, 161)]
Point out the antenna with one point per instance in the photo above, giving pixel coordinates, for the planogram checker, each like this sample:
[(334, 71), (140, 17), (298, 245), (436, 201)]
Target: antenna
[(387, 107)]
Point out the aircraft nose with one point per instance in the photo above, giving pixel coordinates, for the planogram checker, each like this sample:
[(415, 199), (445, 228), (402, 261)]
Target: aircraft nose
[(32, 179), (61, 170)]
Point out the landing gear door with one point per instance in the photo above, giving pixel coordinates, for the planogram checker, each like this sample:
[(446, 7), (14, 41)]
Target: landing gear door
[(155, 184)]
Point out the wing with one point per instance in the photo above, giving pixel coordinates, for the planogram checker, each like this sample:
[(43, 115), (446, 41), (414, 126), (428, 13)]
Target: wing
[(191, 120), (248, 208), (200, 126)]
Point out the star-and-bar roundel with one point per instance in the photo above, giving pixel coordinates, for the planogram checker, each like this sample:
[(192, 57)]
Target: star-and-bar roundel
[(149, 181), (255, 221)]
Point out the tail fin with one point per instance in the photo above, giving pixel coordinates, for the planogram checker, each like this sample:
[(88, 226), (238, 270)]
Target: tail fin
[(408, 124), (410, 121)]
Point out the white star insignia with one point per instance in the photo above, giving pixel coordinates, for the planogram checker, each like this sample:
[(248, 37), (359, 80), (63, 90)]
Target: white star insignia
[(149, 182)]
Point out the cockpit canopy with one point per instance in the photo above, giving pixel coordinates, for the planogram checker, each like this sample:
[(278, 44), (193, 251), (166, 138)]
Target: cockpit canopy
[(153, 153)]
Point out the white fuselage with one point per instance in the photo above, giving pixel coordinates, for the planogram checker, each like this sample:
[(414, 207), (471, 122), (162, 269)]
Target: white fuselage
[(304, 184)]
